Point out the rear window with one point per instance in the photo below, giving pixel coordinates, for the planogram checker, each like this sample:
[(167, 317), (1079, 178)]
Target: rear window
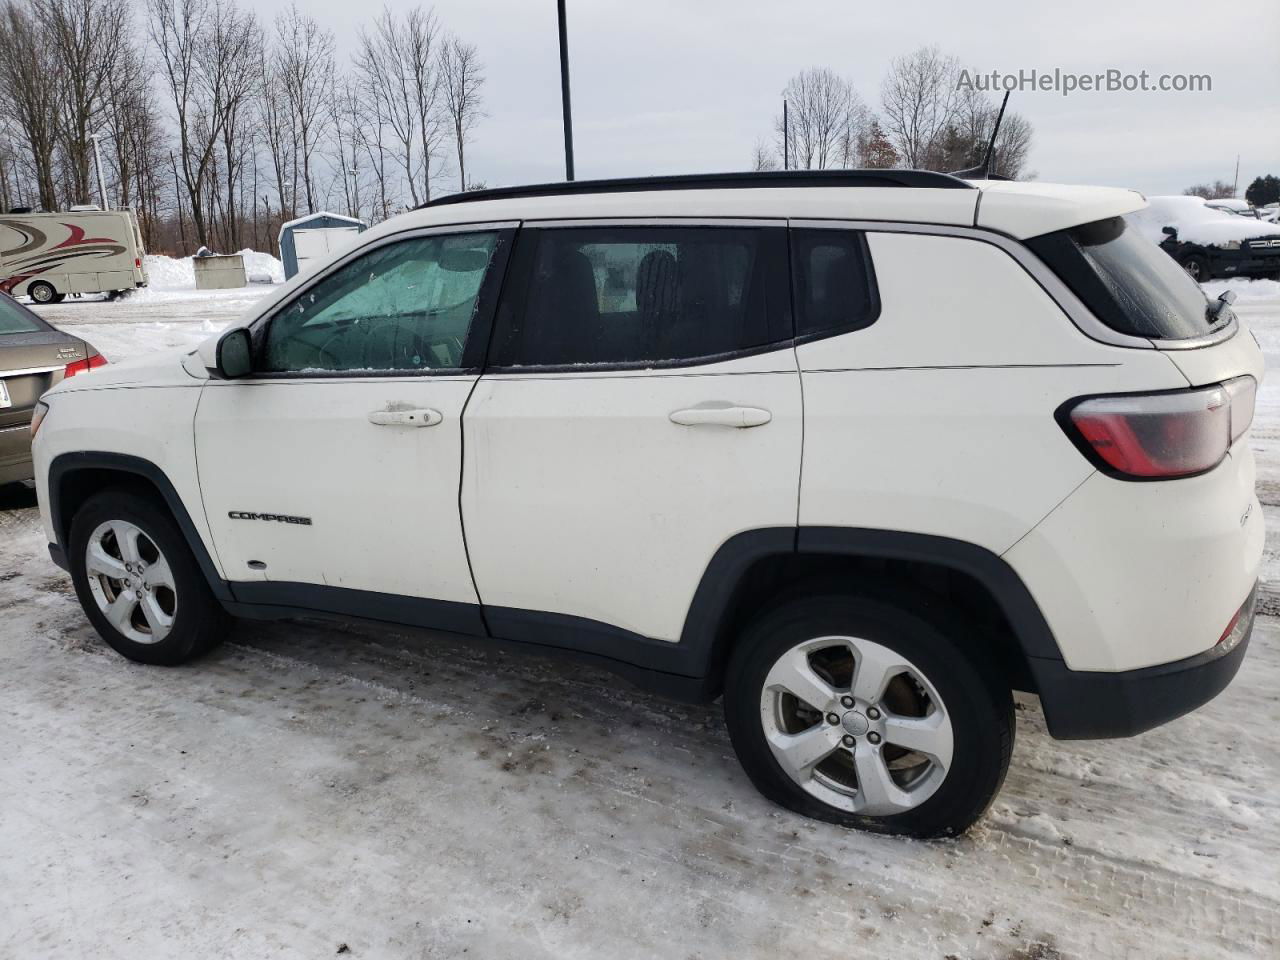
[(1128, 282), (15, 319)]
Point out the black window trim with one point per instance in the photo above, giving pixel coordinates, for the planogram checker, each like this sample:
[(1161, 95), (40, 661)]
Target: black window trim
[(476, 349), (512, 299), (873, 283)]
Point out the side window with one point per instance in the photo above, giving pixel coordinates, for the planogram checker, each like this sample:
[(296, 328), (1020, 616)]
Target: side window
[(641, 295), (835, 288), (402, 306)]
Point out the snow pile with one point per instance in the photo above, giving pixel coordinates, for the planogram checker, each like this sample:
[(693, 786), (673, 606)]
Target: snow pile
[(1197, 223), (167, 273), (1245, 288), (262, 267)]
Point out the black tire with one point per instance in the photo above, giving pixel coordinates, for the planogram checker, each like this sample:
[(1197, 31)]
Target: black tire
[(43, 292), (1197, 267), (931, 637), (199, 621)]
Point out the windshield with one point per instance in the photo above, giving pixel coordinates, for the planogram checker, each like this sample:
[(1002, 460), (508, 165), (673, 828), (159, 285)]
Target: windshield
[(1128, 282), (15, 319)]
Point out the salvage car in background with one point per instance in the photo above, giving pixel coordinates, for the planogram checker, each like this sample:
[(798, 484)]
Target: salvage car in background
[(33, 357), (1210, 241)]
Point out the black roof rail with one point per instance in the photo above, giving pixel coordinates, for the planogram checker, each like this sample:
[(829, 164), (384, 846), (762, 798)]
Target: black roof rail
[(717, 181)]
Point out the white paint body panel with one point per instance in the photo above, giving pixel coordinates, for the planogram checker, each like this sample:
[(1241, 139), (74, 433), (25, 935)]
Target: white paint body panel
[(939, 417), (383, 500), (1130, 575), (581, 497), (154, 423)]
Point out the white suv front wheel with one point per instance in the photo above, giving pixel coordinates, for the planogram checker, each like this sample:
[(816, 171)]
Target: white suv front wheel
[(862, 713), (138, 582)]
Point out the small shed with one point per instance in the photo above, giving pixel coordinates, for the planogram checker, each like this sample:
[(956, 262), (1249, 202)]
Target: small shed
[(310, 239)]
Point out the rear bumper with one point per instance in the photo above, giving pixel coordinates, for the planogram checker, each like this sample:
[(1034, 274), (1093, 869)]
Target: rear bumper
[(1090, 705), (15, 453)]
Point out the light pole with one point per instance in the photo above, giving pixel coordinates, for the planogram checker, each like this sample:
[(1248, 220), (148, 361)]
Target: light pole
[(786, 139), (97, 162), (564, 95)]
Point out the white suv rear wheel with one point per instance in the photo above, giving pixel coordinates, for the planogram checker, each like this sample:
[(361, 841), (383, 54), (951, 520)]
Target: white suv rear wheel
[(885, 714)]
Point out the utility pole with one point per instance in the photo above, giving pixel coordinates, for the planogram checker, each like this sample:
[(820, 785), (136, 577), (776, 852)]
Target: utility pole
[(786, 137), (564, 95), (97, 161), (1235, 184)]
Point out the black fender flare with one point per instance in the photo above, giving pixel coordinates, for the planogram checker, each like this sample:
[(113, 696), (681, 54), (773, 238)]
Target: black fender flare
[(711, 602), (67, 464)]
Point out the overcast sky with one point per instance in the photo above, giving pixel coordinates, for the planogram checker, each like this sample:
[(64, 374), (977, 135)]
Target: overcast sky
[(662, 86)]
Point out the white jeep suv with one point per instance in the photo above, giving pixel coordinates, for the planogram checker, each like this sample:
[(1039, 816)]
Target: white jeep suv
[(863, 452)]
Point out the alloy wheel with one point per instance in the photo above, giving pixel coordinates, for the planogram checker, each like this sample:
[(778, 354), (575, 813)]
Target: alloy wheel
[(131, 581), (856, 725)]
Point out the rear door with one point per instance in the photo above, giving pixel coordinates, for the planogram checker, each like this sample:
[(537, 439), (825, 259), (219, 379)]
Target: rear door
[(330, 475), (641, 406)]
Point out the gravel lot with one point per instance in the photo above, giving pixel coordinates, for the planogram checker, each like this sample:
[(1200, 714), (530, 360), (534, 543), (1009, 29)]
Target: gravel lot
[(313, 790)]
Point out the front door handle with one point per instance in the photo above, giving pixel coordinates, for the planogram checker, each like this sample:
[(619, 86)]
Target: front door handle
[(722, 415), (393, 417)]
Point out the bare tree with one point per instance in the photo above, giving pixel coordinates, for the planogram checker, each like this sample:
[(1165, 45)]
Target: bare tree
[(87, 38), (825, 118), (29, 74), (179, 30), (278, 132), (919, 97), (1218, 190), (137, 142), (233, 51), (350, 135), (398, 65), (461, 77), (304, 64), (763, 157)]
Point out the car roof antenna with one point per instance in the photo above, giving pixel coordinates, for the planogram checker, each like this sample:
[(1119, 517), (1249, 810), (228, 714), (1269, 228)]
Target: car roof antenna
[(983, 171)]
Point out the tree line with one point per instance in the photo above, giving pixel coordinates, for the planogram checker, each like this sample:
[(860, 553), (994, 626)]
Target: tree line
[(928, 119), (216, 127), (1262, 191)]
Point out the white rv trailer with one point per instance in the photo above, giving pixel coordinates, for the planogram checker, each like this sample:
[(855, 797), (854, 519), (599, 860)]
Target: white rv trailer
[(47, 255)]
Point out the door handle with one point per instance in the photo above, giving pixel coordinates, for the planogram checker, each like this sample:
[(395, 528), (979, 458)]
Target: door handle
[(405, 418), (722, 415)]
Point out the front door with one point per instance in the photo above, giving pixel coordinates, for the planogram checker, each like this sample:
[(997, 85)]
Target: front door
[(641, 407), (330, 476)]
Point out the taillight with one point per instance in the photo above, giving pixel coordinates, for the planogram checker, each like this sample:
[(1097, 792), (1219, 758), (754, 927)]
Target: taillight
[(37, 417), (137, 262), (1160, 436), (85, 365)]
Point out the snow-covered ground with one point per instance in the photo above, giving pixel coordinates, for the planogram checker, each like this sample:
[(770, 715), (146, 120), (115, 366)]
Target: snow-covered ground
[(306, 788)]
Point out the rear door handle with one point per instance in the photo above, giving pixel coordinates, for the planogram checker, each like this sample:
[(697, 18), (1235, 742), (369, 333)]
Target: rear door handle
[(721, 415), (405, 418)]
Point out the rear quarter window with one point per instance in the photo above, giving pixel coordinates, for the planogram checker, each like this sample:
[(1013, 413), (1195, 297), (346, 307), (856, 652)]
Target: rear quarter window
[(14, 318), (833, 283), (1128, 282)]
